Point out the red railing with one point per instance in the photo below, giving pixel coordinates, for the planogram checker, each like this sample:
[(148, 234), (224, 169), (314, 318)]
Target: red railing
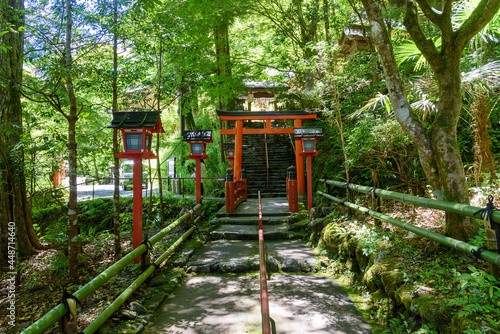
[(264, 297), (267, 160), (236, 192), (291, 191)]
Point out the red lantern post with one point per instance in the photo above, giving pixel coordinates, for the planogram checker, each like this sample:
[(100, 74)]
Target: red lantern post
[(137, 129), (198, 140), (308, 137)]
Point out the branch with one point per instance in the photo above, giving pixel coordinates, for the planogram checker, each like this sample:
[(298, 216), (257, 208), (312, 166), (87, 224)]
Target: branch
[(429, 13), (479, 18), (424, 44)]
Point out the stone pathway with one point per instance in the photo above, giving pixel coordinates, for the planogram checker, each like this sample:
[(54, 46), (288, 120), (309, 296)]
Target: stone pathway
[(215, 302)]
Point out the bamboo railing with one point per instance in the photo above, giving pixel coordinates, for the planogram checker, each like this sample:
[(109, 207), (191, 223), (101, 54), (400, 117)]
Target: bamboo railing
[(50, 318)]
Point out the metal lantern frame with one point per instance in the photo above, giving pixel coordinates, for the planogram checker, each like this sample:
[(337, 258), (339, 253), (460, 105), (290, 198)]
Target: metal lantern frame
[(197, 140), (308, 136), (229, 148)]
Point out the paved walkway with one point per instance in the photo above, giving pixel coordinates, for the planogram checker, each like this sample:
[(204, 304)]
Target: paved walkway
[(230, 304)]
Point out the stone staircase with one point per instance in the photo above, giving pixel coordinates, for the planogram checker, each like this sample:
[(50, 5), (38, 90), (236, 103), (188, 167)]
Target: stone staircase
[(280, 157), (233, 246)]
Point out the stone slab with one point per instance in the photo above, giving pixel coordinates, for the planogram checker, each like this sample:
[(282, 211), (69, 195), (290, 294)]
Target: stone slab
[(251, 220), (283, 250), (270, 207), (298, 304), (225, 251)]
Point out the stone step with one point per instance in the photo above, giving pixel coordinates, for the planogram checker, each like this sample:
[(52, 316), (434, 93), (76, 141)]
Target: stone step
[(251, 232), (232, 256), (267, 220), (266, 194)]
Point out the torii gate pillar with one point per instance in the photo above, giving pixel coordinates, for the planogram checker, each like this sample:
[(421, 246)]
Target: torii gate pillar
[(238, 149)]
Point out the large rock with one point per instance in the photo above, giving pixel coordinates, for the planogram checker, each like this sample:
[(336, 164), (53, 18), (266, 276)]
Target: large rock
[(310, 264), (199, 268), (128, 315), (235, 266), (290, 266), (272, 265), (137, 307)]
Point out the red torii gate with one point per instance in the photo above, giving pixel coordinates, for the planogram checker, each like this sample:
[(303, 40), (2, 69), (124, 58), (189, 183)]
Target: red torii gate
[(268, 116)]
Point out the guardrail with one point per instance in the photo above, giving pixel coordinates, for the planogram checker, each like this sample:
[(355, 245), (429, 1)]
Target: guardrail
[(264, 296), (464, 209), (236, 191), (291, 190), (467, 210), (187, 178), (58, 312)]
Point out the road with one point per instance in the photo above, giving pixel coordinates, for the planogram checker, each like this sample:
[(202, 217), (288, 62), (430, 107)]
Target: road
[(87, 192)]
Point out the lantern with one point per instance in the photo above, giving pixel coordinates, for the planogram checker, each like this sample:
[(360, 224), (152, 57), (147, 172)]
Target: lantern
[(308, 137), (137, 129), (197, 140)]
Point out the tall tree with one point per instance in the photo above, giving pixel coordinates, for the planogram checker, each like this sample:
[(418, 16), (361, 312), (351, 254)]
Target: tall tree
[(14, 206), (116, 160), (437, 143), (72, 117)]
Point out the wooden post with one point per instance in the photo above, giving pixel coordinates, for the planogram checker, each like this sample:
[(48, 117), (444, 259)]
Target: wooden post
[(137, 206), (299, 162), (309, 183), (198, 181)]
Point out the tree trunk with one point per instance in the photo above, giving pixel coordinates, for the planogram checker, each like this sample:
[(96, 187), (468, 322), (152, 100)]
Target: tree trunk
[(160, 184), (116, 160), (445, 146), (483, 156), (326, 18), (13, 201), (402, 110), (438, 147), (72, 162), (158, 160)]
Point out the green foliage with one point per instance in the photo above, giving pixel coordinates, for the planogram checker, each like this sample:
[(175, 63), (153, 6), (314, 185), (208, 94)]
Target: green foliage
[(479, 296), (372, 240), (478, 240), (403, 324)]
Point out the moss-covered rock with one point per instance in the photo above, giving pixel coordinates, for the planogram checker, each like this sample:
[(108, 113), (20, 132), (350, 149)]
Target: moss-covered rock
[(373, 276), (404, 296), (432, 310), (332, 236), (392, 280), (384, 308), (362, 258)]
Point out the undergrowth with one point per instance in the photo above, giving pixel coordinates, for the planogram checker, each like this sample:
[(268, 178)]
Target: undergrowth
[(462, 282), (43, 275)]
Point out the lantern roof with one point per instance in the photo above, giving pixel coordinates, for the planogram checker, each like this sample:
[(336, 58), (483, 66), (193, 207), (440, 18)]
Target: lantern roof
[(197, 135), (137, 119), (308, 132)]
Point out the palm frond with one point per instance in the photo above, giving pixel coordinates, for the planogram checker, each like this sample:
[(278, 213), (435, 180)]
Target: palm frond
[(463, 11), (409, 51), (381, 99), (482, 79)]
